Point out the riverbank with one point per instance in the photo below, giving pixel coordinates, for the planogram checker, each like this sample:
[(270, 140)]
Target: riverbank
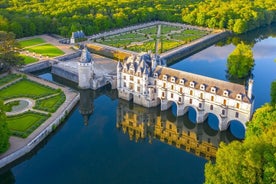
[(19, 146)]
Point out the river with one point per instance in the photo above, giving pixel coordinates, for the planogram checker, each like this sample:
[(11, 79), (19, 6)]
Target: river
[(95, 145)]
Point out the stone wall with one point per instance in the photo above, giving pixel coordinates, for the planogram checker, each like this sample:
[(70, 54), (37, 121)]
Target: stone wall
[(36, 66), (69, 56), (65, 73), (195, 46)]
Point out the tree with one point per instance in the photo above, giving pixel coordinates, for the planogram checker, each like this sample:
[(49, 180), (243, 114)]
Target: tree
[(273, 93), (8, 56), (240, 62), (4, 131)]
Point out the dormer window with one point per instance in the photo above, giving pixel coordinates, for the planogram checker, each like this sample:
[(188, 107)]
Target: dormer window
[(181, 81), (164, 77), (239, 96), (139, 74), (155, 75), (172, 79), (202, 87), (192, 84), (213, 90), (225, 93)]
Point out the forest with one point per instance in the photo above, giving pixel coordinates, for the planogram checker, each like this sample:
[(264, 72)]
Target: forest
[(33, 17)]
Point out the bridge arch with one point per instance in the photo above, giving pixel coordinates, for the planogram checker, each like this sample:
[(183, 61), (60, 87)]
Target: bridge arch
[(192, 113), (213, 120)]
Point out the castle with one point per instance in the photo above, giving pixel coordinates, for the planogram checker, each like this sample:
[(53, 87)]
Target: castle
[(148, 82), (145, 79)]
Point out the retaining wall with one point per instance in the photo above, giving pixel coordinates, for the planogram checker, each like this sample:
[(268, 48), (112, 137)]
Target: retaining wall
[(65, 73), (196, 46), (37, 66), (69, 56)]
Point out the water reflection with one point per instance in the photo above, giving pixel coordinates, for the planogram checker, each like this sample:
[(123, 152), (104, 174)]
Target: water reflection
[(87, 97), (7, 177), (148, 124)]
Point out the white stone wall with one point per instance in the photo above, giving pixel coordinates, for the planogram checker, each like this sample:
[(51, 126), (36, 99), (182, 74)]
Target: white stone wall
[(85, 74)]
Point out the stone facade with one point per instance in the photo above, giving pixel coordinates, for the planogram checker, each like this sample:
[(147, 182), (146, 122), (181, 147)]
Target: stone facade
[(134, 79), (87, 76), (145, 80)]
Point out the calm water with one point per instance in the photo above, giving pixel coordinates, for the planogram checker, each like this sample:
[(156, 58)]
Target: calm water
[(100, 147)]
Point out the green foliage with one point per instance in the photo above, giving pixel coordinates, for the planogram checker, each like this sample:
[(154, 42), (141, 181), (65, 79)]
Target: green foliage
[(4, 131), (8, 106), (8, 78), (8, 56), (46, 50), (273, 93), (240, 62), (31, 42), (50, 104), (28, 59), (24, 124), (238, 16), (26, 88)]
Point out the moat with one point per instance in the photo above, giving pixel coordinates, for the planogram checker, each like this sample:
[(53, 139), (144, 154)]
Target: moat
[(98, 151)]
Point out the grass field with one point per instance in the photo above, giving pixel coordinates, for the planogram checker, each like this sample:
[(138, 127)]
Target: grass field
[(24, 124), (26, 88), (46, 50), (28, 59), (8, 78), (31, 42), (50, 104)]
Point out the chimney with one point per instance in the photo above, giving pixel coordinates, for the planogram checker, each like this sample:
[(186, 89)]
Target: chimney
[(250, 88)]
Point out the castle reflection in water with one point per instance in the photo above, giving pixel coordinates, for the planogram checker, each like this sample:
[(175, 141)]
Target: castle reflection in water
[(149, 124)]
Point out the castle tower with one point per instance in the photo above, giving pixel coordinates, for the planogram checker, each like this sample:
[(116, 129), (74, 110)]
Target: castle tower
[(250, 88), (145, 80), (85, 69), (72, 39), (119, 74)]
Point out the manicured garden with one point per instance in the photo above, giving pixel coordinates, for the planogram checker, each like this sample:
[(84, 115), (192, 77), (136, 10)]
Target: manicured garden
[(24, 124), (31, 42), (39, 46), (8, 78), (144, 39), (28, 59), (46, 50), (26, 88), (50, 104), (47, 100)]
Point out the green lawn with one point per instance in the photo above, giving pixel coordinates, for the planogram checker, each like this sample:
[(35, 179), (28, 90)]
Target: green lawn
[(46, 50), (24, 124), (8, 78), (28, 59), (31, 42), (26, 88), (50, 104)]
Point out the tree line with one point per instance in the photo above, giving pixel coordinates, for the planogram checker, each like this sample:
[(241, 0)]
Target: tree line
[(32, 17)]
